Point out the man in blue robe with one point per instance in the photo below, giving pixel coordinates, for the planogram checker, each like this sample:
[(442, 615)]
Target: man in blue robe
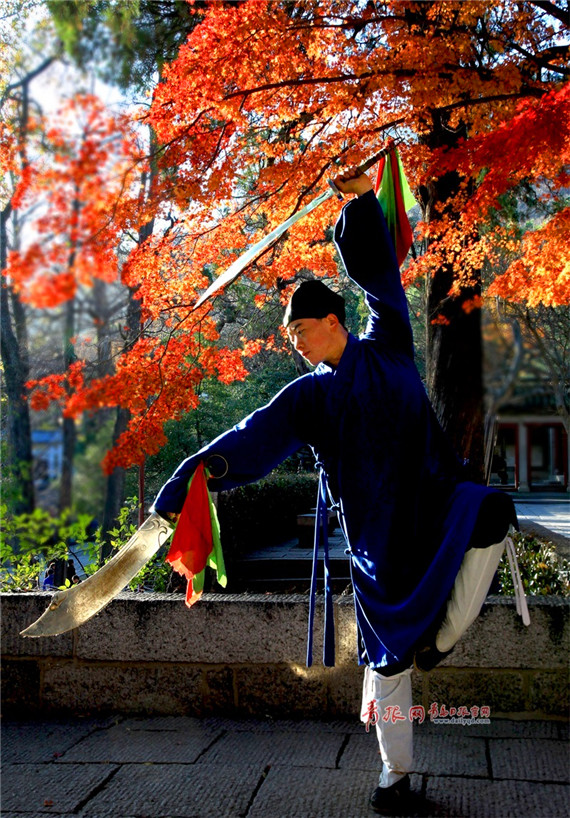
[(409, 516)]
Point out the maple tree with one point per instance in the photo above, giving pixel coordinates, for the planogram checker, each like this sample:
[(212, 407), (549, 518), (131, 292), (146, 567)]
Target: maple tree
[(469, 88), (76, 232), (251, 118)]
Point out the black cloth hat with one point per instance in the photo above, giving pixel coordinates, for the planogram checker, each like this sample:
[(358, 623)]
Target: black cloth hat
[(313, 299)]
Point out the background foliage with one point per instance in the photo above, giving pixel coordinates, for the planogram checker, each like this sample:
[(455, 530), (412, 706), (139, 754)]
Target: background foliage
[(231, 116)]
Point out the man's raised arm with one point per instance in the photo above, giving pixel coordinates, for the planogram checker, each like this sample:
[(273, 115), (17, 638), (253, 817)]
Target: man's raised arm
[(366, 248)]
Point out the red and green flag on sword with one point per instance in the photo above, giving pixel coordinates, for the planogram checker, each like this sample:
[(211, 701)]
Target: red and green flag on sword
[(196, 542), (395, 199)]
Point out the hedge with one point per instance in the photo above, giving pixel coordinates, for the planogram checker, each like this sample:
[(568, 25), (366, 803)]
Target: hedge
[(265, 513)]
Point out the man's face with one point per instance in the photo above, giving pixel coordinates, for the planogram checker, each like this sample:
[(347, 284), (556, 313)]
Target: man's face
[(314, 339)]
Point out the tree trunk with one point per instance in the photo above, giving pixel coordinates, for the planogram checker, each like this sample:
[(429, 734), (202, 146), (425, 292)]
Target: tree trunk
[(115, 489), (142, 514), (14, 340), (16, 372), (454, 371)]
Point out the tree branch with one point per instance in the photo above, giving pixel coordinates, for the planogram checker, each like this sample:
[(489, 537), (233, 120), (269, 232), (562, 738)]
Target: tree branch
[(291, 83), (541, 60), (528, 92), (554, 10), (30, 76)]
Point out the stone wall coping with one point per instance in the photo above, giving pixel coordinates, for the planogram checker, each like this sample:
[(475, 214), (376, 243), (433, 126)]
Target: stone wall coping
[(251, 598), (237, 653)]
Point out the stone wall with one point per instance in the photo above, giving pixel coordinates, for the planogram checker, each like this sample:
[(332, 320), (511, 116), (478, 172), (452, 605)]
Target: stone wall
[(244, 655)]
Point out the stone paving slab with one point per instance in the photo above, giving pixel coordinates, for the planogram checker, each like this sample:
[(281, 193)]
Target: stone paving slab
[(176, 791), (275, 768), (269, 725), (160, 723), (438, 755), (530, 760), (123, 745), (40, 789), (314, 749), (450, 755), (29, 742), (498, 728), (291, 793), (361, 753), (477, 798)]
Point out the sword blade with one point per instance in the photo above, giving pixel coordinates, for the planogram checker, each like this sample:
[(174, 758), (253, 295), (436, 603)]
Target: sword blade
[(73, 607), (250, 255)]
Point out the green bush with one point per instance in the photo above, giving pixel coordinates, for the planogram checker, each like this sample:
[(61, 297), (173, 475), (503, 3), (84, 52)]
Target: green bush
[(31, 541), (542, 570), (265, 513)]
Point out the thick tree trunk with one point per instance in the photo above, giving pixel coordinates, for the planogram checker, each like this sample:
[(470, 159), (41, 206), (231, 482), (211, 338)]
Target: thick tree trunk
[(115, 488), (454, 372), (454, 369), (16, 372)]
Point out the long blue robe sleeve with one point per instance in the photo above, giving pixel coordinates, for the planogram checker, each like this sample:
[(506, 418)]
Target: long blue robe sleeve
[(247, 452), (365, 245)]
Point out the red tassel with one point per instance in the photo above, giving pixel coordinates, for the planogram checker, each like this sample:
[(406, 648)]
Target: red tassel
[(192, 542), (379, 175)]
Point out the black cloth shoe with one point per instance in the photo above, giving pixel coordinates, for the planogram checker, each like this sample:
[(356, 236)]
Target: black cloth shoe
[(391, 800), (428, 657)]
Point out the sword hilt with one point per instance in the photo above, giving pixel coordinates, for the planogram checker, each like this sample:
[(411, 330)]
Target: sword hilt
[(366, 165), (335, 190)]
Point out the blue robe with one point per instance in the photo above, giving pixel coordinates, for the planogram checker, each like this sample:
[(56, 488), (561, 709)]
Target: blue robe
[(407, 513)]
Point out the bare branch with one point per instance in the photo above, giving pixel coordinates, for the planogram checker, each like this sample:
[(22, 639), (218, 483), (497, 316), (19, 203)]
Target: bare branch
[(31, 75)]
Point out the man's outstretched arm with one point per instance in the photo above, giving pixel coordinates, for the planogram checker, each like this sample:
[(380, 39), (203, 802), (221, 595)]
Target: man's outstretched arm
[(245, 453)]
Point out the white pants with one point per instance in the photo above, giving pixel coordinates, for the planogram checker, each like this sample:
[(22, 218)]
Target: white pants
[(392, 695)]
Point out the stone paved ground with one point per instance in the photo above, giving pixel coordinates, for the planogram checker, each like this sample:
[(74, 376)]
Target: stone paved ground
[(190, 768)]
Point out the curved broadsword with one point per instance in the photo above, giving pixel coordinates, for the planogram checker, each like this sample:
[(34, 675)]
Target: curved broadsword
[(76, 605)]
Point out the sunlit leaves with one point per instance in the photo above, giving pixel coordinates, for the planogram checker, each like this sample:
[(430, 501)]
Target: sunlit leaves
[(251, 119), (81, 185)]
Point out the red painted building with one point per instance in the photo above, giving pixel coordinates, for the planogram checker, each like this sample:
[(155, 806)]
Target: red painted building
[(531, 453)]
